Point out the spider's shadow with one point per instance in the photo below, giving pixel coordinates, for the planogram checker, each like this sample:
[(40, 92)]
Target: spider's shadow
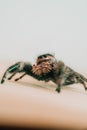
[(34, 85), (46, 86), (75, 89)]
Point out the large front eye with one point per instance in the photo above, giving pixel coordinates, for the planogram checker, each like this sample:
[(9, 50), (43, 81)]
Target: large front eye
[(40, 57), (44, 56)]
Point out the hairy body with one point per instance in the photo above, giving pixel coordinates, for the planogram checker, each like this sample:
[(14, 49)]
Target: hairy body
[(46, 68)]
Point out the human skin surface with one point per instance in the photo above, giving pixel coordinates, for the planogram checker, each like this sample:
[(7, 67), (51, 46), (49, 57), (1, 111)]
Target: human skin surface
[(30, 103)]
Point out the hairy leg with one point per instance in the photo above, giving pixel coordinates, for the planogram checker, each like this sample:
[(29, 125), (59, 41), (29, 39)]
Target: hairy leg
[(11, 76), (83, 83), (68, 83), (20, 77), (12, 70), (60, 83), (75, 78), (81, 79)]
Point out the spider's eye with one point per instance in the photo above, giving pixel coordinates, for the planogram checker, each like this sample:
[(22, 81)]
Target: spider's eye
[(40, 57), (44, 56)]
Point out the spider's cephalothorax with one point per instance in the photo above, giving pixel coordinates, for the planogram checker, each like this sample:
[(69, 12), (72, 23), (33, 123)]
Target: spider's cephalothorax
[(44, 65), (46, 68)]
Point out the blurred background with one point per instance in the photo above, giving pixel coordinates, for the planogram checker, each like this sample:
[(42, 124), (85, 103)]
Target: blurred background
[(32, 27), (29, 28)]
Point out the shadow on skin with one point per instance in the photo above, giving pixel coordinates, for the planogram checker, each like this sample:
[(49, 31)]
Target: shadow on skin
[(71, 88), (77, 88), (27, 84)]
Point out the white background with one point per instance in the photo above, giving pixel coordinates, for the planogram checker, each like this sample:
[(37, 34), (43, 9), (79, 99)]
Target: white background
[(32, 27)]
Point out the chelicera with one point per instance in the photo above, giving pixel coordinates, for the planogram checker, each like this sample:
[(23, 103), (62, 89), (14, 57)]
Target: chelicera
[(46, 68)]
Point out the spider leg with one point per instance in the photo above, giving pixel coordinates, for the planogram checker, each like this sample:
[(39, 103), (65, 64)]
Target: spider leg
[(20, 77), (58, 89), (11, 76), (76, 78), (68, 83), (19, 67), (81, 79), (61, 80), (83, 83), (71, 79), (64, 80), (69, 76)]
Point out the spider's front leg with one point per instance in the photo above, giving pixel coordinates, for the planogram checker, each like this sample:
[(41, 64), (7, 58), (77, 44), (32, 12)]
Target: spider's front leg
[(61, 81), (19, 67), (58, 89)]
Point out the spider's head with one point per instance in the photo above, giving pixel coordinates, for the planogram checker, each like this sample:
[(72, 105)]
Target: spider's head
[(46, 57)]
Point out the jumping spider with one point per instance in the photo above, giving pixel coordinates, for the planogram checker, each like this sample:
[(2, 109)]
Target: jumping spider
[(46, 68)]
